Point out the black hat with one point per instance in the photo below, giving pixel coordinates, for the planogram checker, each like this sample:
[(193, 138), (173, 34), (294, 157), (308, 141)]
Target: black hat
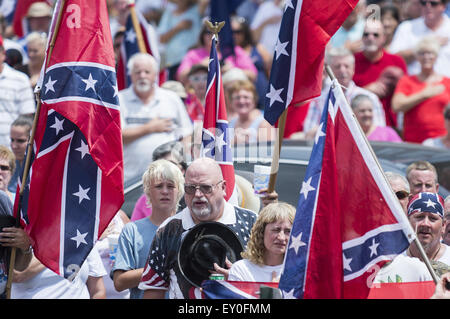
[(205, 244)]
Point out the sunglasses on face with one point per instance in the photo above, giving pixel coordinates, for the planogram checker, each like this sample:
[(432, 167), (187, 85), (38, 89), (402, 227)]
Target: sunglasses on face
[(401, 194), (204, 188), (366, 34), (432, 3), (4, 168)]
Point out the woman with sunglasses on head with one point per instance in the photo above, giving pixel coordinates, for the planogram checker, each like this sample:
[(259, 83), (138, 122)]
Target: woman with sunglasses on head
[(163, 186)]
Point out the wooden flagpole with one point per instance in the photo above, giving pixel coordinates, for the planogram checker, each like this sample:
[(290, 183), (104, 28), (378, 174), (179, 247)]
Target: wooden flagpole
[(416, 241), (277, 151), (27, 165), (137, 27)]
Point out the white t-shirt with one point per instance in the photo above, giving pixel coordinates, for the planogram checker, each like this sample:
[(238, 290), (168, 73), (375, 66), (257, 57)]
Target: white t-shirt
[(445, 258), (165, 104), (410, 32), (269, 34), (49, 285), (245, 270), (403, 269), (16, 98)]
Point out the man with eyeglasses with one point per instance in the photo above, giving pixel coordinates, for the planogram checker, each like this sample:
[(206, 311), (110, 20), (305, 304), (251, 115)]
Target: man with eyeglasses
[(204, 195), (446, 235), (376, 69), (433, 21)]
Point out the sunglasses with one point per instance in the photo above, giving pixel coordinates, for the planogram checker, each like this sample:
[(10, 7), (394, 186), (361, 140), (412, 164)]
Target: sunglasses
[(366, 34), (4, 168), (432, 3), (190, 189), (237, 31), (401, 194), (198, 78)]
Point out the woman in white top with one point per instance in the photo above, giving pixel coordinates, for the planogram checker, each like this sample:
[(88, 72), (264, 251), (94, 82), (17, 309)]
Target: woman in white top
[(264, 255)]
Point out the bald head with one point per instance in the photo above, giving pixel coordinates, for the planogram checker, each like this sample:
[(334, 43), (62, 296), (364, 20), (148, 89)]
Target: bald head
[(206, 166)]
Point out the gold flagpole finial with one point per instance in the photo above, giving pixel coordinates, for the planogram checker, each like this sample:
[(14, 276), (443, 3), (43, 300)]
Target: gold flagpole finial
[(214, 28)]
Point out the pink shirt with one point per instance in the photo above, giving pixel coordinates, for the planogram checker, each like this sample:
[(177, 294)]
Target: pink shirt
[(141, 209), (384, 134), (242, 60)]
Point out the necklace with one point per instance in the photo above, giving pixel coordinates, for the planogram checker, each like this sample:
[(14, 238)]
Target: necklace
[(432, 258)]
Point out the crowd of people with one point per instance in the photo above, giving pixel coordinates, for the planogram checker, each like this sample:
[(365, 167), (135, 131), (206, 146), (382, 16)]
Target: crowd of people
[(392, 59)]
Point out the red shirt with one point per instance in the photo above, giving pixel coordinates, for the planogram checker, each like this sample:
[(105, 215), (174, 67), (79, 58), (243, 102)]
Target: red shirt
[(426, 119), (367, 72)]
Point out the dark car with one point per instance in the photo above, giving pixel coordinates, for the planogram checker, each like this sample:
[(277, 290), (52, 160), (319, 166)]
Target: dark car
[(294, 160)]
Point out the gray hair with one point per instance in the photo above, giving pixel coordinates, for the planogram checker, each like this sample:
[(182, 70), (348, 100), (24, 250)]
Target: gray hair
[(391, 176), (358, 99), (141, 56), (338, 53), (429, 43)]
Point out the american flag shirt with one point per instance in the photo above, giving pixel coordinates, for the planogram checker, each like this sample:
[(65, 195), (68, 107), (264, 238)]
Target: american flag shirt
[(161, 270)]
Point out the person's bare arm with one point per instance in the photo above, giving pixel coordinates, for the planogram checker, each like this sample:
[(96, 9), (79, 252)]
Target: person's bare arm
[(403, 103), (126, 279), (96, 287)]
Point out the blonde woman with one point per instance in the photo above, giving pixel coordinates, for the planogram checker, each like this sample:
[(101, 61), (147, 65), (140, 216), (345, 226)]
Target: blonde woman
[(264, 255)]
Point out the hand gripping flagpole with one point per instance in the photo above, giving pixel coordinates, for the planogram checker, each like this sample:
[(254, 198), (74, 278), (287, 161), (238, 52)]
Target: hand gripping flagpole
[(27, 164), (137, 26), (415, 240)]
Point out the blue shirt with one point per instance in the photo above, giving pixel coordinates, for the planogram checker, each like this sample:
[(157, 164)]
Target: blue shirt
[(133, 248)]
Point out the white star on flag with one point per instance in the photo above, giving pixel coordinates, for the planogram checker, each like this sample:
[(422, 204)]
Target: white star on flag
[(220, 141), (49, 85), (116, 90), (80, 238), (274, 95), (289, 294), (280, 48), (373, 248), (288, 5), (306, 188), (430, 203), (83, 149), (82, 194), (347, 262), (319, 133), (296, 242), (58, 126), (130, 36), (90, 83)]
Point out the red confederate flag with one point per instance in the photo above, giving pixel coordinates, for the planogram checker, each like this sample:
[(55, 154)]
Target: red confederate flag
[(215, 134), (306, 28), (348, 221), (76, 184)]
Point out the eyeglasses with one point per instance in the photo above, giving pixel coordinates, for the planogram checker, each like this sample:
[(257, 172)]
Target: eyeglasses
[(4, 168), (204, 188), (432, 3), (198, 78), (401, 194), (366, 34), (237, 31)]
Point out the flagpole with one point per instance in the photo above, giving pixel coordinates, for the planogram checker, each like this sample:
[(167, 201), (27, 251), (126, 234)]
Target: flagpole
[(277, 151), (137, 26), (416, 241), (27, 165)]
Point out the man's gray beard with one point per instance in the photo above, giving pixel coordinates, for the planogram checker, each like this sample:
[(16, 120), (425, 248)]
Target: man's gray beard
[(143, 86), (204, 212)]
